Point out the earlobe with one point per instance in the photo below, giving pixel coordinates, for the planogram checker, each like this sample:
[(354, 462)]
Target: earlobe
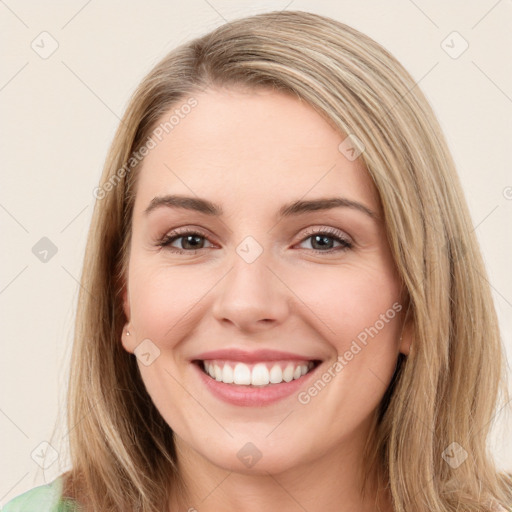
[(405, 344), (127, 337), (406, 338), (406, 335)]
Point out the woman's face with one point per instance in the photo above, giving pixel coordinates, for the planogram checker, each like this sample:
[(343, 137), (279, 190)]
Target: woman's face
[(241, 267)]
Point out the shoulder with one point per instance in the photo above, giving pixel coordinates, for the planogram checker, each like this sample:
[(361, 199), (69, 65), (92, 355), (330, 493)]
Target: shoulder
[(44, 498)]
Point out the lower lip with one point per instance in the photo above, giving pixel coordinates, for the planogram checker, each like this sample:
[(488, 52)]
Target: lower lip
[(250, 396)]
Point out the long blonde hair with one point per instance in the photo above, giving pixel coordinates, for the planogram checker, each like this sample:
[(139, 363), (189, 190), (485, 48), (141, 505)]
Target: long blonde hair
[(444, 392)]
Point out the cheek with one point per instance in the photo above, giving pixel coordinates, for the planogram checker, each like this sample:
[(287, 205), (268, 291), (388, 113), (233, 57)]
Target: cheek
[(350, 301), (358, 314), (163, 299)]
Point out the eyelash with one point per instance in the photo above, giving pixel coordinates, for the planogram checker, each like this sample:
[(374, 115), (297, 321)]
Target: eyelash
[(329, 232)]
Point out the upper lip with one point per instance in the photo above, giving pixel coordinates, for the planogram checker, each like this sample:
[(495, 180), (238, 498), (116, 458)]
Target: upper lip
[(235, 354)]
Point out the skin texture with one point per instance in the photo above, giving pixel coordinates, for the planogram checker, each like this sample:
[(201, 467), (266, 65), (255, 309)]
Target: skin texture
[(251, 152)]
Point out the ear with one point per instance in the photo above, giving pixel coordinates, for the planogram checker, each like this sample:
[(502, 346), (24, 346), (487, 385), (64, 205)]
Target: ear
[(406, 341), (407, 333), (127, 335), (126, 302)]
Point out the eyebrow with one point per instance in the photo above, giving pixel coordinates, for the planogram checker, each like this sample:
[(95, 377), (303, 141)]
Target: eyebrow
[(288, 210)]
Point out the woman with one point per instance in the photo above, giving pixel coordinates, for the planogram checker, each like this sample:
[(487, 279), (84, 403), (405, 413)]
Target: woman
[(283, 303)]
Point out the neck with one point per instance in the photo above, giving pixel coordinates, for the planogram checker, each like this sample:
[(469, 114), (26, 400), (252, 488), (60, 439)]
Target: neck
[(331, 483)]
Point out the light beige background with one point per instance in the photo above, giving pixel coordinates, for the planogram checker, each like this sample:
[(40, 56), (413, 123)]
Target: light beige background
[(59, 114)]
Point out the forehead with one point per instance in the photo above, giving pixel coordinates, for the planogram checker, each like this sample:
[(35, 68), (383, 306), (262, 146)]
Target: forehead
[(259, 145)]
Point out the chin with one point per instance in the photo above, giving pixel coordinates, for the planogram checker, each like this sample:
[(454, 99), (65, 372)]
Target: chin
[(261, 464)]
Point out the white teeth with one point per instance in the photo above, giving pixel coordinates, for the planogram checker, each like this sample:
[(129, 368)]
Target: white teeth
[(276, 374), (288, 373), (260, 375), (242, 374), (227, 374)]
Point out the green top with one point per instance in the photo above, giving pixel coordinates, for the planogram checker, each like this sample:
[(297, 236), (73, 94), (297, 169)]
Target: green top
[(45, 498)]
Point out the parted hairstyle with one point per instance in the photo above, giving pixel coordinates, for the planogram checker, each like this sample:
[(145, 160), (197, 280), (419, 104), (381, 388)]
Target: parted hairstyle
[(445, 391)]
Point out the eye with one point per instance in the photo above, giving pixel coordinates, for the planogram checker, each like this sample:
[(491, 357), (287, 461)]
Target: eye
[(322, 240), (190, 241)]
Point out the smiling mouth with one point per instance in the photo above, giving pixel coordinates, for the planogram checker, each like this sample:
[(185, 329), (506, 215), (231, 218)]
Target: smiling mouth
[(260, 374)]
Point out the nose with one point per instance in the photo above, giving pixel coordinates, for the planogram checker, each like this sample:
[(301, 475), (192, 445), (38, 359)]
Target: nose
[(251, 297)]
